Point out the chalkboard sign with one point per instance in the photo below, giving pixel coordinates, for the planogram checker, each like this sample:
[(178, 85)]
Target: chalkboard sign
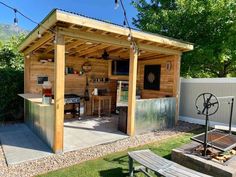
[(41, 79)]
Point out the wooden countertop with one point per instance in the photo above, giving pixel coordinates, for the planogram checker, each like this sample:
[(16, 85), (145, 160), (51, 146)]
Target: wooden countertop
[(35, 98)]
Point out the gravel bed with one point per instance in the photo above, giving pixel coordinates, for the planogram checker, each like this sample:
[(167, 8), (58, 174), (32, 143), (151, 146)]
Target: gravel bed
[(57, 161)]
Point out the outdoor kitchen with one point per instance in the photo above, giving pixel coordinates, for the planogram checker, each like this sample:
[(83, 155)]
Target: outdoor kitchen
[(92, 77)]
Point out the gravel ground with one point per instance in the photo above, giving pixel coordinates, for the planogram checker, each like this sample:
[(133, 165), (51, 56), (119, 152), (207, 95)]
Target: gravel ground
[(58, 161)]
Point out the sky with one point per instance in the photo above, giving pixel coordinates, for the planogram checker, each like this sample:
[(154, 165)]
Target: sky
[(37, 10)]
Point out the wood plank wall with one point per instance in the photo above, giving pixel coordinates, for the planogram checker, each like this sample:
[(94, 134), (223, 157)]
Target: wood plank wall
[(36, 69), (76, 84), (73, 83), (167, 78)]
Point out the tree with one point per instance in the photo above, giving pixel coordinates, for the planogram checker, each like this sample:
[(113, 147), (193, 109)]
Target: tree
[(11, 79), (9, 55), (210, 25)]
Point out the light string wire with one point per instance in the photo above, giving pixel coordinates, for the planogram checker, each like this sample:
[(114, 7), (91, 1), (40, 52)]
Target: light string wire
[(26, 17), (130, 36)]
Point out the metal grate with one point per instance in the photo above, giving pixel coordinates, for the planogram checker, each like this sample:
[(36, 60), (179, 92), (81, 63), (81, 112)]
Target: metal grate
[(217, 139)]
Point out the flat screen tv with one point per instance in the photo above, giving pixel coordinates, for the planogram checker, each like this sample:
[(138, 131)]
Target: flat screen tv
[(120, 67)]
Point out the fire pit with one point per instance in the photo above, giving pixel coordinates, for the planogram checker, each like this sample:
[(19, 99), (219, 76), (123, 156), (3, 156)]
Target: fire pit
[(216, 163), (214, 151)]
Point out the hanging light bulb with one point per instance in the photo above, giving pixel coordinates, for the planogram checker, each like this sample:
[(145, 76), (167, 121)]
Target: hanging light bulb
[(54, 40), (129, 37), (39, 34), (124, 23), (116, 4), (15, 18), (132, 45)]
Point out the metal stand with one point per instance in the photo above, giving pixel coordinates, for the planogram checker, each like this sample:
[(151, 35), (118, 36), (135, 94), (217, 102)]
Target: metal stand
[(231, 115), (208, 102)]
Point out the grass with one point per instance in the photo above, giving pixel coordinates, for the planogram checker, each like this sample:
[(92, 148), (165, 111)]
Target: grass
[(116, 164)]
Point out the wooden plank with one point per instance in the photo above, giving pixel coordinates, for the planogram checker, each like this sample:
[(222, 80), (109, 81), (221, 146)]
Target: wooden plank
[(26, 74), (133, 65), (114, 41), (59, 79), (49, 21), (44, 39), (162, 166), (176, 84), (94, 49), (91, 23), (166, 82)]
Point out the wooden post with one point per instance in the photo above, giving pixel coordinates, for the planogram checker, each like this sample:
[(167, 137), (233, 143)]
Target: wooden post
[(59, 88), (176, 88), (132, 91), (26, 74)]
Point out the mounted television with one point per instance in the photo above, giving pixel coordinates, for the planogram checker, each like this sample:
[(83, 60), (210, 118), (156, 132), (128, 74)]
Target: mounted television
[(120, 67)]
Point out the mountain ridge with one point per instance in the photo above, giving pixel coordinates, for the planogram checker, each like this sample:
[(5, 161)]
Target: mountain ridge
[(9, 30)]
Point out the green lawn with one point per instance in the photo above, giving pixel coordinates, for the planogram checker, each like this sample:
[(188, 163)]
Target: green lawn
[(116, 164)]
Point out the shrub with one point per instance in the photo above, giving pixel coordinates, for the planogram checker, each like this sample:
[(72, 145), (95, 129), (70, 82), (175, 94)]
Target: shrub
[(11, 84)]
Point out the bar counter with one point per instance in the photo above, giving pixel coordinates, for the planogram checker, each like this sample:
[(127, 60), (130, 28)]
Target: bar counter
[(39, 117)]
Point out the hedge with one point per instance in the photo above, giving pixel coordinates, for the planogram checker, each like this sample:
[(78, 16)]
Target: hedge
[(11, 84)]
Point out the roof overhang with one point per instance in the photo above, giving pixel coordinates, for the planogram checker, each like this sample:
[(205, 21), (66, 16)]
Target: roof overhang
[(56, 16)]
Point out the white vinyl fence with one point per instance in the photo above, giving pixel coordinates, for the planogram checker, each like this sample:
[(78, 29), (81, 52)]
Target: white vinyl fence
[(191, 88)]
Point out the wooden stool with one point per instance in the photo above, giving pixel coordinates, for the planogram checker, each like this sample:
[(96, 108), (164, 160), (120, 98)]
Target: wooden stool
[(101, 104)]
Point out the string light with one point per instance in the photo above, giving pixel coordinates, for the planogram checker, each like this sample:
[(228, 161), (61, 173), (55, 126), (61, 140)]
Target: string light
[(124, 23), (133, 44), (54, 40), (116, 4), (129, 37), (39, 34), (15, 18), (26, 17)]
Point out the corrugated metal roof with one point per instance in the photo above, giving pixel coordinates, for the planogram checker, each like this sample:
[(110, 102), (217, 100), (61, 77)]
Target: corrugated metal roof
[(104, 21), (159, 35)]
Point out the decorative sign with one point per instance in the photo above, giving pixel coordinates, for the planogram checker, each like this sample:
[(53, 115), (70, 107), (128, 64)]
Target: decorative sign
[(41, 79), (87, 67), (152, 76)]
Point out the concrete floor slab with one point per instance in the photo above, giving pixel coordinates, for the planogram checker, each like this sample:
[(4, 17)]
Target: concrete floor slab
[(20, 144), (79, 134)]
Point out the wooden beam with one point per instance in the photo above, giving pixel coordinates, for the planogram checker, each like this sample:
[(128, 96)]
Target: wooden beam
[(26, 74), (106, 27), (176, 88), (92, 50), (132, 92), (114, 41), (49, 21), (44, 39), (59, 89), (73, 44)]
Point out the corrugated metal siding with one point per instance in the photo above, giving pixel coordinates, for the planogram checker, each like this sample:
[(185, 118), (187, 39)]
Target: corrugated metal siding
[(191, 88), (154, 114)]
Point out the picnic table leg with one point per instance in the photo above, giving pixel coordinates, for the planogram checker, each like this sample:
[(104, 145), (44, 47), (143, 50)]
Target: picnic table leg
[(131, 167)]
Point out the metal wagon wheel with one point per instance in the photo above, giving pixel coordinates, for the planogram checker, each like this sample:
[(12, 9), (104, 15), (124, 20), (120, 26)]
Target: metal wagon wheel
[(207, 104)]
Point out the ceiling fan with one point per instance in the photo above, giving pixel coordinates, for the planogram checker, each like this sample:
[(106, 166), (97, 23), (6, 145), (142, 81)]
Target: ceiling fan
[(105, 55)]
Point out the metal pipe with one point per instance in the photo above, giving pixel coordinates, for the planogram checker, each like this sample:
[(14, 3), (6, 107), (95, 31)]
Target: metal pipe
[(225, 97), (231, 115), (206, 134)]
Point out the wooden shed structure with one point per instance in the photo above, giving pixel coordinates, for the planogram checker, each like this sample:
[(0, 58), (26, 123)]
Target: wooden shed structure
[(69, 40)]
